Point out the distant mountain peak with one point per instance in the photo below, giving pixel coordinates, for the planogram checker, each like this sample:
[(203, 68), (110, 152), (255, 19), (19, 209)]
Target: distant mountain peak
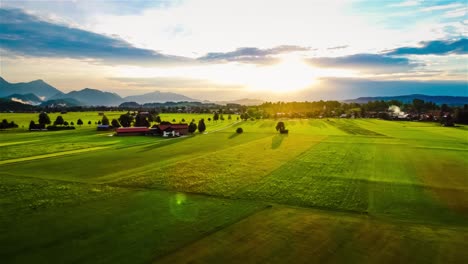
[(37, 87)]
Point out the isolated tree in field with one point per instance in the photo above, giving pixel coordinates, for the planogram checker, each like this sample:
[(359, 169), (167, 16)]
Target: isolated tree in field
[(89, 122), (115, 123), (79, 122), (105, 120), (209, 119), (216, 116), (44, 119), (221, 117), (71, 123), (192, 127), (229, 117), (281, 128), (173, 120), (99, 122), (158, 119), (32, 125), (65, 123), (239, 130), (59, 120), (183, 120), (126, 120), (201, 125)]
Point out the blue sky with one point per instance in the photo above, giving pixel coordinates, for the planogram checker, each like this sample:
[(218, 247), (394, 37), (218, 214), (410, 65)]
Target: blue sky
[(211, 49)]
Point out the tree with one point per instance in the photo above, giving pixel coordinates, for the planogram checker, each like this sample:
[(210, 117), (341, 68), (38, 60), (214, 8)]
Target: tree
[(229, 117), (126, 120), (201, 125), (65, 123), (79, 122), (215, 116), (209, 119), (239, 130), (158, 119), (32, 125), (280, 126), (183, 120), (115, 123), (71, 123), (59, 120), (44, 119), (192, 127), (99, 122), (89, 122), (105, 120), (173, 120), (141, 121)]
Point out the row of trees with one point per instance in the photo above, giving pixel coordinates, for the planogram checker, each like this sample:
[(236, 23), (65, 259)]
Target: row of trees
[(5, 124), (335, 109)]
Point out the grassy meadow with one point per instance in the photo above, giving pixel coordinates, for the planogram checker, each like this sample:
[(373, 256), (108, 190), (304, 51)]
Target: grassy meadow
[(337, 190)]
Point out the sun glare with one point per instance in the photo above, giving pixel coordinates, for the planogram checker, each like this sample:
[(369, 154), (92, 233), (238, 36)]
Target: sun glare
[(291, 74)]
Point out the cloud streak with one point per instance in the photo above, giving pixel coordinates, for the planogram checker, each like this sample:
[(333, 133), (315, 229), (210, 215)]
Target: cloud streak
[(26, 35), (366, 62), (436, 47), (252, 54)]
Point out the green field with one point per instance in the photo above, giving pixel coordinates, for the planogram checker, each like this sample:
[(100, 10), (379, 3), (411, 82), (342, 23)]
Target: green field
[(338, 190)]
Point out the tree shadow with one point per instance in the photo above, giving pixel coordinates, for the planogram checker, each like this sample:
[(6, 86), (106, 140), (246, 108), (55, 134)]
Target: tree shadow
[(234, 135), (277, 140)]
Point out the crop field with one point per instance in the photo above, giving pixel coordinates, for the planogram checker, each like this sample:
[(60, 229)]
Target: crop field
[(337, 190)]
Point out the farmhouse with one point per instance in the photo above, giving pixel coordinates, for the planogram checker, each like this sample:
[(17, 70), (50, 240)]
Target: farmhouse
[(173, 129), (132, 131)]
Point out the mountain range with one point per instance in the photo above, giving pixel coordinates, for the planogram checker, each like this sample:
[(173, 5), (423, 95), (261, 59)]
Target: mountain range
[(39, 92), (38, 87)]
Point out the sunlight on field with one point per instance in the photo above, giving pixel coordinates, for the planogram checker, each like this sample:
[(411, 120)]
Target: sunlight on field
[(368, 190)]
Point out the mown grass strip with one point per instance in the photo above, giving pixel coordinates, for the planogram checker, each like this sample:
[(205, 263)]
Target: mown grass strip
[(17, 143), (3, 162)]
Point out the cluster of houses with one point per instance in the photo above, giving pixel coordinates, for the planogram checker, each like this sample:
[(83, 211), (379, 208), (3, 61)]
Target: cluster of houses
[(165, 130)]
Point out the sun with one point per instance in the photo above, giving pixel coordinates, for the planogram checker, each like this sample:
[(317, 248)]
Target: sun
[(290, 75)]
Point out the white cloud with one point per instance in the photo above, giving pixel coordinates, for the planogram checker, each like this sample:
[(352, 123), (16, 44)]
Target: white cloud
[(407, 3), (441, 7), (459, 12)]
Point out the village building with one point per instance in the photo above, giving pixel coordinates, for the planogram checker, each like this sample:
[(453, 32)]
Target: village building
[(132, 131)]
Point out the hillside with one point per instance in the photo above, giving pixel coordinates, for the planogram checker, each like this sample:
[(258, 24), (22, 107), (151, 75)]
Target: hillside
[(37, 87), (94, 97), (158, 97), (29, 98)]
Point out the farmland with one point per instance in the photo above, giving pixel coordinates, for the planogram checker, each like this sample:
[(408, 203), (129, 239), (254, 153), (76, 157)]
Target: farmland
[(360, 191)]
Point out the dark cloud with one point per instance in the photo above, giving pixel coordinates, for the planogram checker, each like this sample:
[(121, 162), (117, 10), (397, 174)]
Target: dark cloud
[(370, 62), (436, 47), (251, 54), (27, 35), (338, 47)]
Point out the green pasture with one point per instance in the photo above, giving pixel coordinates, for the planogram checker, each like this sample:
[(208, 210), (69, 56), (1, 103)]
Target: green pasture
[(332, 190)]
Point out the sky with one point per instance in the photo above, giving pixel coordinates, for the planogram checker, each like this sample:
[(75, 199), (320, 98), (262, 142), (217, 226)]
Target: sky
[(226, 50)]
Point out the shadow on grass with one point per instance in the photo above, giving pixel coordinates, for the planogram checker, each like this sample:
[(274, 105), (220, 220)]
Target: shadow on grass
[(277, 140), (164, 142), (234, 135)]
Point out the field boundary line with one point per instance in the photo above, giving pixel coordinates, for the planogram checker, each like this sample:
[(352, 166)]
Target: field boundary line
[(225, 127), (51, 155), (18, 142)]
